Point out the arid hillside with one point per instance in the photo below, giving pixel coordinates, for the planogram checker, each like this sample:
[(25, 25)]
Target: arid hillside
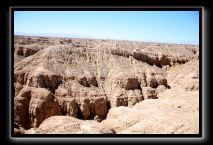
[(91, 86)]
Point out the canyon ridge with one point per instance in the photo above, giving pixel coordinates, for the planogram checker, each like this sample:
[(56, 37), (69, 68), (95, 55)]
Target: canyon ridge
[(99, 86)]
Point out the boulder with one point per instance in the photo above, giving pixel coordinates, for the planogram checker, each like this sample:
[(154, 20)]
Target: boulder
[(71, 125)]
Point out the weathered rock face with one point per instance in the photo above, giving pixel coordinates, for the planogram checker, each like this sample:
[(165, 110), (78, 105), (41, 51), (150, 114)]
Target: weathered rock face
[(123, 89), (87, 81), (21, 107), (80, 101), (18, 129), (131, 83), (33, 105), (27, 50), (68, 106), (42, 78), (84, 82), (70, 125), (42, 105), (20, 77), (94, 106), (17, 88)]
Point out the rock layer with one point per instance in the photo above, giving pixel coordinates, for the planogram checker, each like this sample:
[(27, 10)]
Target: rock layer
[(33, 105)]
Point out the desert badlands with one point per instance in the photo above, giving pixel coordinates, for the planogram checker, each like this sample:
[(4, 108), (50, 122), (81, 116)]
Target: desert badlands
[(96, 86)]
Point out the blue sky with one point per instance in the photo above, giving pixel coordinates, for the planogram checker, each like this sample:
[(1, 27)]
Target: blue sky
[(151, 26)]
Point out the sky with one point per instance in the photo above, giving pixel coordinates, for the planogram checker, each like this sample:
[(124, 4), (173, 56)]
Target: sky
[(180, 27)]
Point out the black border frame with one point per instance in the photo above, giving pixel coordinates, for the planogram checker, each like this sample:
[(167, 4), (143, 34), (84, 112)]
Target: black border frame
[(4, 23), (112, 9)]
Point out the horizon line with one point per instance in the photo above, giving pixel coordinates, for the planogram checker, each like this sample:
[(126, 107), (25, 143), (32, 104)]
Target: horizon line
[(66, 35)]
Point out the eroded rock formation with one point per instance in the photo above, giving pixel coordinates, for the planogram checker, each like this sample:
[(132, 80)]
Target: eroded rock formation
[(85, 78), (33, 105)]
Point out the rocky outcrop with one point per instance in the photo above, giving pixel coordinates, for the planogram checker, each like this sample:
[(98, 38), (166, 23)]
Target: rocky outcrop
[(43, 78), (70, 125), (152, 58), (33, 105), (42, 105), (93, 106), (26, 50), (151, 80), (126, 82), (21, 107), (80, 101), (87, 81), (20, 77), (18, 129), (68, 106), (118, 98), (149, 93), (17, 88)]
